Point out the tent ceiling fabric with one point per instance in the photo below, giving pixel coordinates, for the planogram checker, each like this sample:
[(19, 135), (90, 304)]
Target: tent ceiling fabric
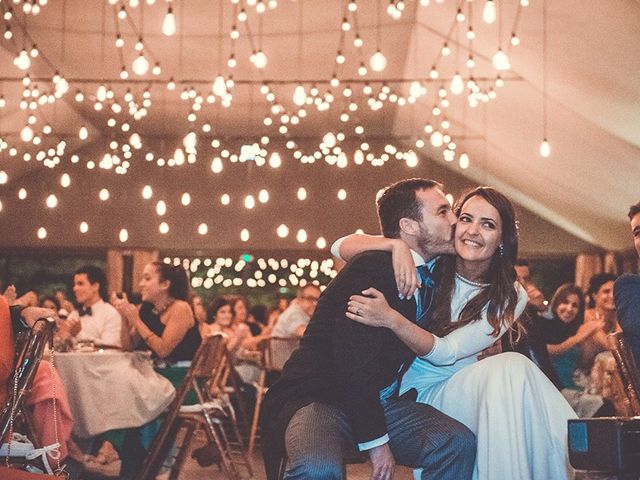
[(572, 201)]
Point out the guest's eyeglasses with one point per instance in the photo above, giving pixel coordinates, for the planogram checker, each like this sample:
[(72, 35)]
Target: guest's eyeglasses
[(310, 298)]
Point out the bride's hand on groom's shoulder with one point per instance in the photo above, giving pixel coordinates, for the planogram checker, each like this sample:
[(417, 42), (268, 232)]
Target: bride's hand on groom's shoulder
[(404, 269)]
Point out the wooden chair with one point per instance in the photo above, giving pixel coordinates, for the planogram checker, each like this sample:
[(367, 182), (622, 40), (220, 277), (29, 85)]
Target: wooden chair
[(628, 372), (210, 414), (275, 353)]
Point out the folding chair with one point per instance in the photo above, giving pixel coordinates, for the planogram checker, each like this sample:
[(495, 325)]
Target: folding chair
[(627, 371), (209, 413), (275, 353)]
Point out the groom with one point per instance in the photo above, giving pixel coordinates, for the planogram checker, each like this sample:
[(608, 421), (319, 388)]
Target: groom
[(339, 389)]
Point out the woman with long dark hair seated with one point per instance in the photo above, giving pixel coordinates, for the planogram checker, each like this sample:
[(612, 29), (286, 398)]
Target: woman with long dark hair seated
[(164, 324)]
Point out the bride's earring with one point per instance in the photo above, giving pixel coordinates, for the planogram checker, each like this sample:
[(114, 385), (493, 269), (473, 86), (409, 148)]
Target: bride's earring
[(501, 250)]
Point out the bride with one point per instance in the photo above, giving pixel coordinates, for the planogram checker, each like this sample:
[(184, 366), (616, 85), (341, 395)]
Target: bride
[(518, 416)]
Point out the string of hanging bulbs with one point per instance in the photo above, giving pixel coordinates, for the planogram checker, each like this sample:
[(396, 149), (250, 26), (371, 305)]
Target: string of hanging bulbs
[(282, 115)]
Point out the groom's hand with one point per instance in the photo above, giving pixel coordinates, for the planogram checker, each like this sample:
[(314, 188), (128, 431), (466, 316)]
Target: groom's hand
[(383, 462)]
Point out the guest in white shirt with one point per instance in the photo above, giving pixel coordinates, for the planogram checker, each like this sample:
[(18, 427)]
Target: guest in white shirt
[(96, 320), (294, 320)]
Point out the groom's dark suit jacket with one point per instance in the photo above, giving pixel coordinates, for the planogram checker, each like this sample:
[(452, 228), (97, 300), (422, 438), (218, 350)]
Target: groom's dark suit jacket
[(340, 362)]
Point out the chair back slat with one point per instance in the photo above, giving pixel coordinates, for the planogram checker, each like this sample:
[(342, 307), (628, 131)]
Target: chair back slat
[(27, 360), (212, 352), (278, 350), (628, 370), (205, 356)]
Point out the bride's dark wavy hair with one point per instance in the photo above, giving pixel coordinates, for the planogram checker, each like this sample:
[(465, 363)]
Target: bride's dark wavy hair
[(499, 296)]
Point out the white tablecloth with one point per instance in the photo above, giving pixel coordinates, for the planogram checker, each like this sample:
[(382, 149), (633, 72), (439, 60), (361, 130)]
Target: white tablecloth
[(110, 389)]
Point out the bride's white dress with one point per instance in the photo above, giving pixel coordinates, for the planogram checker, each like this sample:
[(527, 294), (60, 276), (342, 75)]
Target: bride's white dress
[(518, 416)]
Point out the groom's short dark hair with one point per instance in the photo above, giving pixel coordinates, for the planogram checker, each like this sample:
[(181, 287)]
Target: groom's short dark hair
[(398, 200)]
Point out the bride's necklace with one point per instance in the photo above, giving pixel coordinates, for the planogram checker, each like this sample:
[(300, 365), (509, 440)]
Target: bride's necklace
[(471, 282), (160, 309)]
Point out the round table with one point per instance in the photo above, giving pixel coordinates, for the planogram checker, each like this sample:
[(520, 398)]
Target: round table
[(110, 389)]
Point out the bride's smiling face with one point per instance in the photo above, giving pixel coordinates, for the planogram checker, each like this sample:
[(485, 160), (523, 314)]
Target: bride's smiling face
[(478, 231)]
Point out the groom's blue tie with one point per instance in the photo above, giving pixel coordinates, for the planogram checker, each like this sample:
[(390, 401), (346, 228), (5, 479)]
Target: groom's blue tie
[(425, 294), (423, 305)]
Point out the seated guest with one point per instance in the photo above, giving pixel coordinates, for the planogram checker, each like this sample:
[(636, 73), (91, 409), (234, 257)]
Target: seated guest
[(239, 308), (50, 302), (294, 320), (563, 333), (96, 321), (220, 320), (164, 324), (536, 298), (627, 292), (46, 386), (199, 313), (258, 319), (602, 311)]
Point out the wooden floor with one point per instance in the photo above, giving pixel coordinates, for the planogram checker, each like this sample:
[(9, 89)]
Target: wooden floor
[(193, 471)]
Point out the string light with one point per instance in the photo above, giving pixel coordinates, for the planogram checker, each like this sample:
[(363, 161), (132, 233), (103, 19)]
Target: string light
[(169, 23)]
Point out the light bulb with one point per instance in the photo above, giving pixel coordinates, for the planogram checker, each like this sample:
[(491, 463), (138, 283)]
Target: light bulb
[(26, 134), (378, 61), (190, 141), (282, 231), (244, 235), (464, 161), (140, 65), (22, 61), (62, 87), (84, 227), (260, 59), (489, 12), (299, 96), (203, 229), (329, 140), (436, 139), (169, 23), (83, 133), (457, 84), (263, 196), (274, 160), (65, 180), (302, 193), (301, 236), (147, 192), (545, 148), (219, 86), (415, 89), (411, 159), (124, 235), (216, 165), (42, 233), (500, 60), (52, 201)]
